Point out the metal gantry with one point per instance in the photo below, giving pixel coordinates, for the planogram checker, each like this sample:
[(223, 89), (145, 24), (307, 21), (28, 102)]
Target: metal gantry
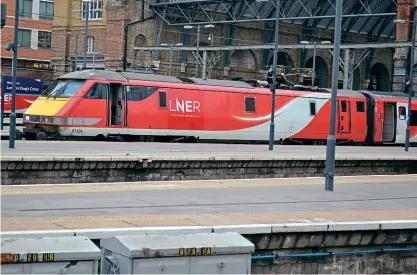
[(361, 16), (281, 46)]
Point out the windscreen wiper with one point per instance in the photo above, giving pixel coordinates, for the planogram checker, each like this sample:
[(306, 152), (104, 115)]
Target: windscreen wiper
[(60, 91)]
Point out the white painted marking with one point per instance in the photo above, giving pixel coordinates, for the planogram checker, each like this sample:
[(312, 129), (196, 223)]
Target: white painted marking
[(301, 220), (202, 181), (288, 226), (323, 220), (315, 220)]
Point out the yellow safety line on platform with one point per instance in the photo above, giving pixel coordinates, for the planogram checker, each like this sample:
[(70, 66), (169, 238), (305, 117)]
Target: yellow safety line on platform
[(176, 185)]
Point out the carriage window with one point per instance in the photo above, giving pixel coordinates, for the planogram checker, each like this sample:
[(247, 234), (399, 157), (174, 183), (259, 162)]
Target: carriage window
[(138, 93), (163, 99), (413, 118), (360, 107), (402, 113), (344, 106), (250, 104), (98, 91), (312, 108)]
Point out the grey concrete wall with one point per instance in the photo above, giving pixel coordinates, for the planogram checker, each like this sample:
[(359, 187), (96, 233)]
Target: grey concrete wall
[(297, 238), (370, 263), (79, 170)]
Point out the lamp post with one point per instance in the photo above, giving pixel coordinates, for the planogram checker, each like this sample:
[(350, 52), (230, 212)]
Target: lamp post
[(331, 140), (273, 71), (411, 74), (171, 53), (313, 78), (87, 15), (14, 47), (197, 56)]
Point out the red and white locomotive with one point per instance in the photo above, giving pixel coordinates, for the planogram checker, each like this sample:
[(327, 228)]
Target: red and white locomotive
[(94, 103)]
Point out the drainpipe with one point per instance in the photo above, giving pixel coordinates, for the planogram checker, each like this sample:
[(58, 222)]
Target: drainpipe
[(329, 254)]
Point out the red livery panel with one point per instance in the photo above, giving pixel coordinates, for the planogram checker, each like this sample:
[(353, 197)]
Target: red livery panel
[(104, 103)]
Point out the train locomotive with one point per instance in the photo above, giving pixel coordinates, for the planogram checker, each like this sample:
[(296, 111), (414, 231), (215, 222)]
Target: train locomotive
[(101, 104)]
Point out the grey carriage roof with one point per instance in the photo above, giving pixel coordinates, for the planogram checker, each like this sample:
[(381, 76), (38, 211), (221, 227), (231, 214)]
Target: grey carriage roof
[(125, 76)]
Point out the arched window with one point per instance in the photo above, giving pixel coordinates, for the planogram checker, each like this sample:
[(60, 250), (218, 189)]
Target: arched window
[(242, 59), (140, 40), (90, 44)]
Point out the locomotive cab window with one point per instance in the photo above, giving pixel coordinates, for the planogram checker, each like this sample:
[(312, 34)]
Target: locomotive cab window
[(312, 108), (250, 104), (163, 99), (402, 113), (360, 107), (98, 91), (63, 88)]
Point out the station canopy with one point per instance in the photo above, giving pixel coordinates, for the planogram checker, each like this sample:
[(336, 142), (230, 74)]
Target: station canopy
[(374, 18)]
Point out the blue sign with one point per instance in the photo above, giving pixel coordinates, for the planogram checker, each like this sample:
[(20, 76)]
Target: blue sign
[(24, 85)]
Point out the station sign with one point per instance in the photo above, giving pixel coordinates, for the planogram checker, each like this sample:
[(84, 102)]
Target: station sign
[(24, 85)]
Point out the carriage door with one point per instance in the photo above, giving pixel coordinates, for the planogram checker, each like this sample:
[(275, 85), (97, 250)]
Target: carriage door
[(117, 111), (344, 116), (401, 122)]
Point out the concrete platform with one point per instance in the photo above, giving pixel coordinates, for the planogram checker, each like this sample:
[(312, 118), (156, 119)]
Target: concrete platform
[(122, 149), (5, 133), (208, 203)]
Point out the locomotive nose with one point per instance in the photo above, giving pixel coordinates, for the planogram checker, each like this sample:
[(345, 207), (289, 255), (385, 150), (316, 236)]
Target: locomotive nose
[(44, 106)]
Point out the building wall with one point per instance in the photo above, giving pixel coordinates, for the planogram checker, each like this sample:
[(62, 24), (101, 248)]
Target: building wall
[(33, 60), (108, 33), (402, 55), (343, 242)]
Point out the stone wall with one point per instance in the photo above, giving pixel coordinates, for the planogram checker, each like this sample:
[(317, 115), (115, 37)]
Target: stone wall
[(80, 170), (336, 242)]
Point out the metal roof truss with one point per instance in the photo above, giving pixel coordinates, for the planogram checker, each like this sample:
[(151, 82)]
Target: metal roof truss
[(364, 15), (271, 46)]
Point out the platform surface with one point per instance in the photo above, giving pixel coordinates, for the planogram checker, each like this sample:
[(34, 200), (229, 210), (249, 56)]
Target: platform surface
[(118, 149), (217, 202)]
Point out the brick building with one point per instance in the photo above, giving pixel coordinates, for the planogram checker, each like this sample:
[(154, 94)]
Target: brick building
[(383, 68), (105, 34), (34, 53)]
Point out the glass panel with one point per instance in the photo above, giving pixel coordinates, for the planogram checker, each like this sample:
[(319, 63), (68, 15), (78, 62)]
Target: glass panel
[(24, 39), (137, 93), (95, 9), (46, 10), (25, 8), (402, 111), (63, 88), (44, 40)]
